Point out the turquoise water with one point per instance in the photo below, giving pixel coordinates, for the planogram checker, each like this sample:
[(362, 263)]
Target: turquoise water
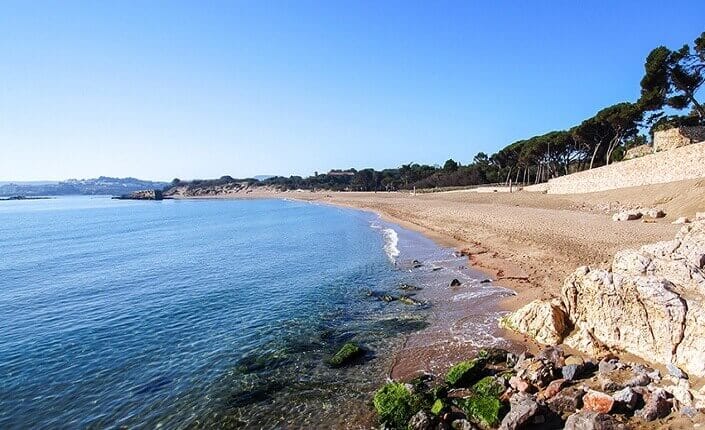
[(192, 314)]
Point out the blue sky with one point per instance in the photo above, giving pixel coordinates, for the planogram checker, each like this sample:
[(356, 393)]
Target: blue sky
[(202, 89)]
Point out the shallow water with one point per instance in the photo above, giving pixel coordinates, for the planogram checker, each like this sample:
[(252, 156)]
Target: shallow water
[(192, 314)]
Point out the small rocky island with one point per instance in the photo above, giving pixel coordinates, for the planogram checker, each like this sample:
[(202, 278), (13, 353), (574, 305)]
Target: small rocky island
[(142, 195)]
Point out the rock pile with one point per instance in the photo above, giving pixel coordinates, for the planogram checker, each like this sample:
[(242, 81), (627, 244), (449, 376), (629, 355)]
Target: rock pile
[(629, 215), (497, 389)]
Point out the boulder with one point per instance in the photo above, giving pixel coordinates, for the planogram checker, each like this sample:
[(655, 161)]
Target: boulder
[(395, 404), (570, 371), (675, 371), (519, 384), (586, 420), (596, 401), (464, 373), (567, 401), (681, 220), (523, 410), (681, 392), (553, 388), (536, 371), (657, 406), (544, 321), (626, 399), (421, 421), (658, 290), (455, 283), (617, 379), (655, 213), (486, 411), (626, 216)]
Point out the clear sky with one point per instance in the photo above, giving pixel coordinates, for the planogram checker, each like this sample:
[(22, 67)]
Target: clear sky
[(201, 89)]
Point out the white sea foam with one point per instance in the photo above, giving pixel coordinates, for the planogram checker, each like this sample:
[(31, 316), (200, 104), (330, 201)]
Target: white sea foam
[(391, 240)]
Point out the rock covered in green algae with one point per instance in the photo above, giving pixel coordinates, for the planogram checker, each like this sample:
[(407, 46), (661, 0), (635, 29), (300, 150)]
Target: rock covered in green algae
[(438, 407), (464, 373), (347, 353), (486, 411), (395, 404), (493, 355), (489, 386)]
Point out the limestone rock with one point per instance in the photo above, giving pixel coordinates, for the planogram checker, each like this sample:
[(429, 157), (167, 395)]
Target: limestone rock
[(544, 321), (675, 371), (681, 392), (626, 216), (681, 220), (655, 213), (700, 216)]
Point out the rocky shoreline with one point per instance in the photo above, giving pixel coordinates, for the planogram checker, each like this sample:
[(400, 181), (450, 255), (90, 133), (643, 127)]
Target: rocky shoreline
[(552, 390), (648, 305)]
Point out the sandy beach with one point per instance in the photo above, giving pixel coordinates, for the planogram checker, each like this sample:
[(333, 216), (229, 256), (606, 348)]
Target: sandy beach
[(527, 241)]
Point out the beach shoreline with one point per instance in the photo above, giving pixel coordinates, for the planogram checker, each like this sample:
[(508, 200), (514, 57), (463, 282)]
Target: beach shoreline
[(528, 242)]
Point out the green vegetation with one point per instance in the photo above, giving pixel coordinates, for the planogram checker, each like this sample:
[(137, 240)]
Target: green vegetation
[(346, 354), (464, 373), (395, 405), (484, 410), (489, 386), (438, 407)]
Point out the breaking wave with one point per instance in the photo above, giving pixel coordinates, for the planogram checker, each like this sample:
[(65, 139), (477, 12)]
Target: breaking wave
[(391, 239)]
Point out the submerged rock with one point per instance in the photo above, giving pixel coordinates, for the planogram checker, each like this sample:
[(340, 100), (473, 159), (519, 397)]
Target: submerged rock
[(408, 300), (346, 354)]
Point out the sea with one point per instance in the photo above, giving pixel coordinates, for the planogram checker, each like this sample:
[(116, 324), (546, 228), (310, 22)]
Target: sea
[(182, 314)]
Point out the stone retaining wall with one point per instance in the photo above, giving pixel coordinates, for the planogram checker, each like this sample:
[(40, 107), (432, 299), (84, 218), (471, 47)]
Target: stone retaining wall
[(686, 162), (676, 137)]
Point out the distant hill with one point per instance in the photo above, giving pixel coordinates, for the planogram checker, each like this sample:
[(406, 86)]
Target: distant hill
[(97, 186)]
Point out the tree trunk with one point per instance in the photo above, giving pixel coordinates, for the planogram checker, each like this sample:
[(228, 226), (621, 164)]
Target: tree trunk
[(594, 154)]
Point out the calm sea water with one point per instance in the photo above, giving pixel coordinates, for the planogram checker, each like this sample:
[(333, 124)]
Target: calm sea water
[(193, 314)]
